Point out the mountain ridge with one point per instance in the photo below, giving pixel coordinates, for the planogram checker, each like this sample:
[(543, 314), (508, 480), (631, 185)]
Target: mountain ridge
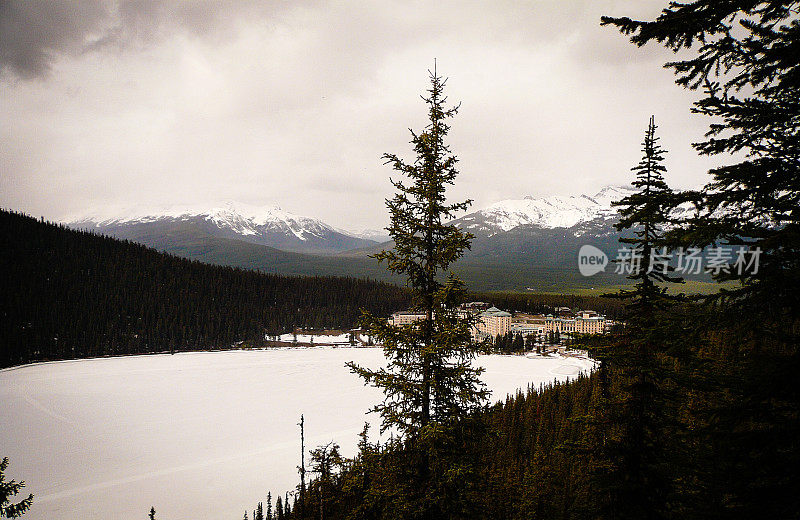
[(555, 211), (263, 225), (518, 243)]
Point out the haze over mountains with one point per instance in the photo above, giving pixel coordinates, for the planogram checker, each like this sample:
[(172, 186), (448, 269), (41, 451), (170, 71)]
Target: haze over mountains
[(518, 243)]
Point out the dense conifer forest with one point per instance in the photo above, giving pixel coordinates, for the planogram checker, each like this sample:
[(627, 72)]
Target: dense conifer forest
[(72, 294), (692, 410)]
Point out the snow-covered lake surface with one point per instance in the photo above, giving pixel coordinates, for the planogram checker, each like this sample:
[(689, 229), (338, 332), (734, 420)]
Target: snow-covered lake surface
[(197, 435)]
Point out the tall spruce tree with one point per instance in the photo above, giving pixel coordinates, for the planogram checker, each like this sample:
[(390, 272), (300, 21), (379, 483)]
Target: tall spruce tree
[(429, 383), (630, 481), (747, 63), (429, 378), (745, 58), (647, 213)]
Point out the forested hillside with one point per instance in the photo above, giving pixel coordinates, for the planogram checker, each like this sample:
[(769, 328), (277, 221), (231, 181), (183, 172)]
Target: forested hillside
[(70, 294)]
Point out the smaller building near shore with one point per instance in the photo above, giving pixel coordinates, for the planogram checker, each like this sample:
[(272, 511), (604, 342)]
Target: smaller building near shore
[(525, 329), (583, 322), (406, 317)]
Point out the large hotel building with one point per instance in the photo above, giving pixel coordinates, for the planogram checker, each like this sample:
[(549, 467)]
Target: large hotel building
[(494, 322)]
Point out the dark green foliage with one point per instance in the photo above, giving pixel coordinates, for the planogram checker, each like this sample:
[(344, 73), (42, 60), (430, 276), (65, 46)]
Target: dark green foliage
[(745, 55), (694, 409), (565, 451), (429, 384), (504, 463), (326, 463), (9, 489), (429, 379), (509, 343), (629, 413), (647, 213), (70, 294)]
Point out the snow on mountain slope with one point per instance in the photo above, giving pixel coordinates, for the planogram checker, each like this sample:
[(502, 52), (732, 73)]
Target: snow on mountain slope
[(377, 235), (549, 212), (266, 225), (245, 219)]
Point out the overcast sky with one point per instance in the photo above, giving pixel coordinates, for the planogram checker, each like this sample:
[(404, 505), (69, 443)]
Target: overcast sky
[(111, 104)]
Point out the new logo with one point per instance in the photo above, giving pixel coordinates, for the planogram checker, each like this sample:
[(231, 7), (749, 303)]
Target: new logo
[(591, 260)]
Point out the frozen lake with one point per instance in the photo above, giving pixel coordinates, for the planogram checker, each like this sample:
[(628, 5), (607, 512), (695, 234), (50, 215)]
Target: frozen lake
[(197, 435)]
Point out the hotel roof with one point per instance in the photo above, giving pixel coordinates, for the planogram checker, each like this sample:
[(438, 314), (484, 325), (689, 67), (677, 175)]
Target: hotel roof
[(494, 311)]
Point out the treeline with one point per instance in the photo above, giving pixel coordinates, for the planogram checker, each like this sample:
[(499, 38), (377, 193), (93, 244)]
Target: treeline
[(72, 294)]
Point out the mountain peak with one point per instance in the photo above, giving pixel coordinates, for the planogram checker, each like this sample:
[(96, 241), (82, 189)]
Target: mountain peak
[(555, 211), (611, 194), (265, 225)]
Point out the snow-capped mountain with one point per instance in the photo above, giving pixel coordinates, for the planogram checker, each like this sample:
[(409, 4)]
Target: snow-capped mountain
[(548, 213), (264, 225), (517, 243), (377, 235)]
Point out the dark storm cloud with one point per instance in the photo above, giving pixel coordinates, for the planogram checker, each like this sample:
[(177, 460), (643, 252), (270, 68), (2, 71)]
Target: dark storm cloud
[(36, 33), (33, 33)]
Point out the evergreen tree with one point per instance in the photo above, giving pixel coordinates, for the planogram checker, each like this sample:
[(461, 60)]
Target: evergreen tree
[(429, 377), (746, 61), (72, 294), (429, 382), (279, 508), (10, 489), (647, 212), (530, 342), (152, 515), (743, 55), (325, 461), (519, 343), (633, 451)]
